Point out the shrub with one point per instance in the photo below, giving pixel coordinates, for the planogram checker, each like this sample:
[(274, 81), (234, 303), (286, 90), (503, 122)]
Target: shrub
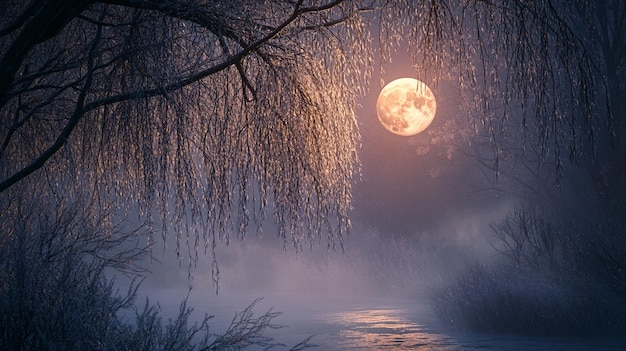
[(550, 278), (55, 295)]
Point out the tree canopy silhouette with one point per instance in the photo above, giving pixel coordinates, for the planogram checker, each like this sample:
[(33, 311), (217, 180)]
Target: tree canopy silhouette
[(202, 110), (205, 113)]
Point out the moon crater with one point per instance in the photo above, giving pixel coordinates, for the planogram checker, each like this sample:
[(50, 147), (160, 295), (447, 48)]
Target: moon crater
[(406, 106)]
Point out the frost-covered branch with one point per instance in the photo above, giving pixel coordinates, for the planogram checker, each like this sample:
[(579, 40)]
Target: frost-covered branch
[(168, 107), (208, 115)]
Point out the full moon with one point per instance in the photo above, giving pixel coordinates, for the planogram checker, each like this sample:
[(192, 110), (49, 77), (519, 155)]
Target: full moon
[(406, 106)]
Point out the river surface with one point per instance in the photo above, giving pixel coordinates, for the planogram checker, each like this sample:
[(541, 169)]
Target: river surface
[(351, 323)]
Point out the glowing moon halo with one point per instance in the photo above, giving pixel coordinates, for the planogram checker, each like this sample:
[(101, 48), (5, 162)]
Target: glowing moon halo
[(406, 106)]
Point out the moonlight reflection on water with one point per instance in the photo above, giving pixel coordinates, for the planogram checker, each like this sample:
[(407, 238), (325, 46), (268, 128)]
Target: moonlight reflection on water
[(381, 329), (352, 323), (396, 328)]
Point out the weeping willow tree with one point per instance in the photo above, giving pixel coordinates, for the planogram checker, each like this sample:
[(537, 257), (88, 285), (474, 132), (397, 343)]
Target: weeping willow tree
[(542, 85), (209, 114), (203, 113)]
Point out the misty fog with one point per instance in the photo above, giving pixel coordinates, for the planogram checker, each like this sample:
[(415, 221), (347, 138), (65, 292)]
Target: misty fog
[(422, 211), (423, 220), (213, 175)]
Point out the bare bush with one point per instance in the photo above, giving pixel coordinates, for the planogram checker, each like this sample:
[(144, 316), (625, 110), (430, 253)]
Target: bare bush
[(553, 277), (55, 295), (502, 299)]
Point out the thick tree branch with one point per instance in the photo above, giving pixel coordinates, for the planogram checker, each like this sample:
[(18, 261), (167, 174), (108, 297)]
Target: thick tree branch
[(21, 19), (63, 16), (19, 122), (47, 23), (231, 61), (61, 140)]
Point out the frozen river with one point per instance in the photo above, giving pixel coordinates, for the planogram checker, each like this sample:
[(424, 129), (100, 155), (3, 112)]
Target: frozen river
[(351, 323)]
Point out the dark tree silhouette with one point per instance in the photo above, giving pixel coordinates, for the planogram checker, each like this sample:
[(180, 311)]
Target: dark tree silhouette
[(561, 140), (567, 251), (56, 293), (192, 109), (207, 112)]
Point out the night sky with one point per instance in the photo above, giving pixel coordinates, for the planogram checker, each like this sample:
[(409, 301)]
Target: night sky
[(124, 124)]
